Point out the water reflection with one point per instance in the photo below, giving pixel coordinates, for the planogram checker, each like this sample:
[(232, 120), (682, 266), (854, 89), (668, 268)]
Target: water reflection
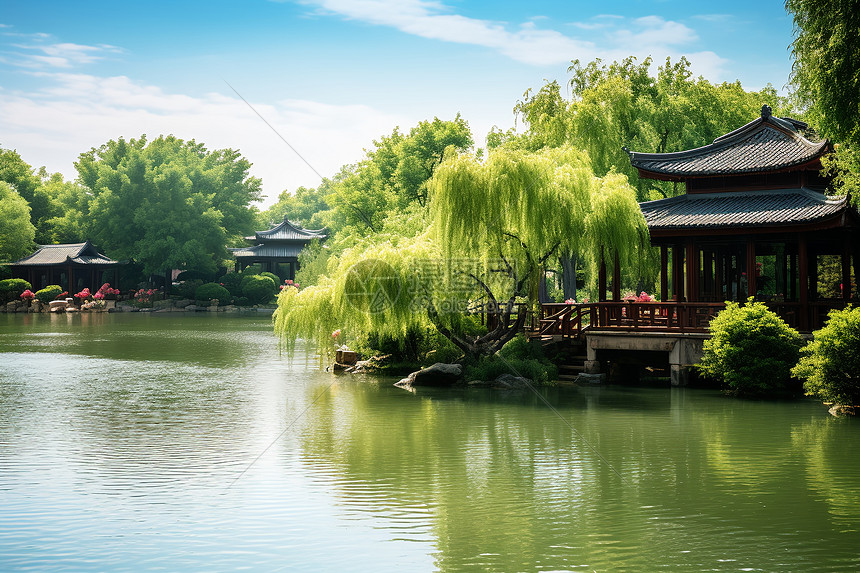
[(119, 436)]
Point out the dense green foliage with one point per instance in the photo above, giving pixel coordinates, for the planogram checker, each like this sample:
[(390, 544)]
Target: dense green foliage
[(826, 83), (830, 363), (167, 203), (751, 350), (213, 291), (16, 230), (10, 289), (48, 293), (826, 50), (622, 105), (259, 289), (233, 283), (519, 357)]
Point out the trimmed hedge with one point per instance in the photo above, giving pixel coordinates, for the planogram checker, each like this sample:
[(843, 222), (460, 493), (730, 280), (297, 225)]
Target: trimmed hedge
[(11, 289), (751, 350), (258, 289), (48, 293), (830, 363), (210, 291)]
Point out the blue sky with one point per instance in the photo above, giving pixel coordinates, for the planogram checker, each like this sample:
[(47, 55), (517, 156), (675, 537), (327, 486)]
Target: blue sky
[(332, 75)]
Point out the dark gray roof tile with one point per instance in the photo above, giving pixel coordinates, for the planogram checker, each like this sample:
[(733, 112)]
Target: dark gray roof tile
[(741, 209)]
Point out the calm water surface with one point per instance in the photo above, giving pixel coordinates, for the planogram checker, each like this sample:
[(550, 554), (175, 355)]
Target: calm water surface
[(143, 443)]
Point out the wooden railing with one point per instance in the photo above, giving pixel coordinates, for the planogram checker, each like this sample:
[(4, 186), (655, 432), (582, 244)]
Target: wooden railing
[(572, 320)]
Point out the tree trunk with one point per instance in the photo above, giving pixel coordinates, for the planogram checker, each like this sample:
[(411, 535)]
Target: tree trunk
[(568, 277)]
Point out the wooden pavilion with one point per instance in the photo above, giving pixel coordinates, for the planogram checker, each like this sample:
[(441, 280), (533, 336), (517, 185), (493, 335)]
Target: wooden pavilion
[(278, 247), (755, 221), (72, 266)]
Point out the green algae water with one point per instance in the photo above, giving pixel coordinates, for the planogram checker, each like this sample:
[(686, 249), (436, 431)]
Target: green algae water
[(155, 442)]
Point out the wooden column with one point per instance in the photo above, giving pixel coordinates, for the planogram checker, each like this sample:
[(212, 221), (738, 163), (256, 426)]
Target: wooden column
[(719, 279), (751, 286), (803, 267), (708, 276), (791, 293), (616, 279), (691, 272), (601, 278), (678, 272), (664, 273)]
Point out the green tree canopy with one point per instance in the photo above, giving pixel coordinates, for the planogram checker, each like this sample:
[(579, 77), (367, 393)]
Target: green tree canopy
[(16, 230), (19, 174), (621, 104), (167, 203), (489, 230)]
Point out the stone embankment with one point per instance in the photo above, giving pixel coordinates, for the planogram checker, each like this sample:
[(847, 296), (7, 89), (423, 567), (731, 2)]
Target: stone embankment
[(159, 306)]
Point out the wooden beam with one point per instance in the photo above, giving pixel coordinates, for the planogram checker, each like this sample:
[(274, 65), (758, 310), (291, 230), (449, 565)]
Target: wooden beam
[(616, 279), (678, 273), (751, 268), (691, 273), (601, 278), (664, 273), (803, 267)]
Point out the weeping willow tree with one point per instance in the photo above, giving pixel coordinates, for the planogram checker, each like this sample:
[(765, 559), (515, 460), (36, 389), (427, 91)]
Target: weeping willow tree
[(490, 229)]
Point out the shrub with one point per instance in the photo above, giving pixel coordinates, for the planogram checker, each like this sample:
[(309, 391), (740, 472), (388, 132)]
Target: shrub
[(192, 275), (210, 291), (830, 363), (751, 350), (275, 278), (258, 289), (233, 283), (519, 357), (48, 293), (10, 289), (188, 289)]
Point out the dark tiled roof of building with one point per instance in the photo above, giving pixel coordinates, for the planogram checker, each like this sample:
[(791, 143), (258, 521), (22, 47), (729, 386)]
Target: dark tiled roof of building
[(765, 144), (741, 209), (288, 231), (76, 253), (277, 251)]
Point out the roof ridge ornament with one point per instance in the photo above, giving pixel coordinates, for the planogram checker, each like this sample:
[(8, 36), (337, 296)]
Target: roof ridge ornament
[(766, 111)]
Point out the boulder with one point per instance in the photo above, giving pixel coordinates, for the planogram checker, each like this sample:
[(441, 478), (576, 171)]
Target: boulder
[(439, 374), (585, 378), (511, 382)]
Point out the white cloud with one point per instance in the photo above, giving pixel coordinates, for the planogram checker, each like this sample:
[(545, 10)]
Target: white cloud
[(620, 37), (430, 20), (41, 54), (78, 111)]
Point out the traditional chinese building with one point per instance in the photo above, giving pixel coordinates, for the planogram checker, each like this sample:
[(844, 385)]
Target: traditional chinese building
[(755, 221), (72, 266), (277, 250)]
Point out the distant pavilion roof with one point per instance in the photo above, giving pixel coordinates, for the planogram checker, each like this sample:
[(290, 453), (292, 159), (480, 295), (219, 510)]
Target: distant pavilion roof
[(288, 231), (766, 144), (738, 209), (74, 253), (283, 241)]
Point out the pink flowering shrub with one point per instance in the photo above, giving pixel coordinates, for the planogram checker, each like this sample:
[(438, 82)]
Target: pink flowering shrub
[(106, 291), (28, 295), (83, 295)]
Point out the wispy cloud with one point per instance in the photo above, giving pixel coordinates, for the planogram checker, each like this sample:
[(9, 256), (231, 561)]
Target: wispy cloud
[(61, 55), (607, 36), (80, 111)]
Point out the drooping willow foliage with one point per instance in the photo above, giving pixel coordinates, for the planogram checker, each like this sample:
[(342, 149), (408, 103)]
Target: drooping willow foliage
[(490, 231)]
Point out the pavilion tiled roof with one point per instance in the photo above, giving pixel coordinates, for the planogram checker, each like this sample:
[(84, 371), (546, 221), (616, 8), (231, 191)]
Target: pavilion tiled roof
[(76, 253), (288, 231), (766, 144), (277, 251), (741, 209)]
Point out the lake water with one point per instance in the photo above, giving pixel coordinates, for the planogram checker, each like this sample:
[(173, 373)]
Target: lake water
[(132, 442)]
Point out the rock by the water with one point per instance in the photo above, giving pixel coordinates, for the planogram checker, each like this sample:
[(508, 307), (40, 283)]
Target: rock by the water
[(591, 378), (511, 382), (439, 374)]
